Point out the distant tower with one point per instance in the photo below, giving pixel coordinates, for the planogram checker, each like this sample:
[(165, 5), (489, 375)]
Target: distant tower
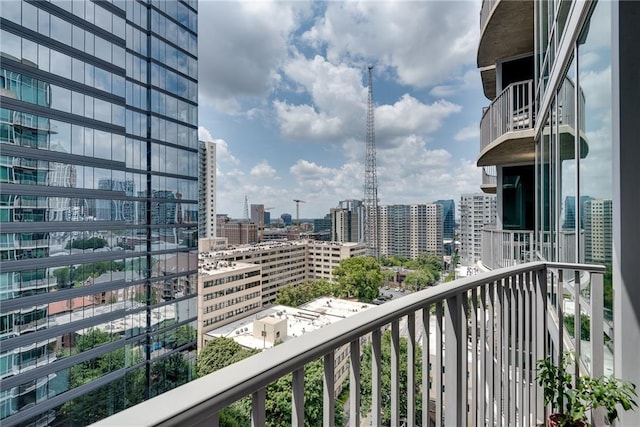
[(371, 233)]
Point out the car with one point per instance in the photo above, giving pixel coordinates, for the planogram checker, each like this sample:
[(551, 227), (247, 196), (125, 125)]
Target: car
[(386, 288), (397, 289)]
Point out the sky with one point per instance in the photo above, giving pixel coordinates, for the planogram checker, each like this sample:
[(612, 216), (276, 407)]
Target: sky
[(283, 92)]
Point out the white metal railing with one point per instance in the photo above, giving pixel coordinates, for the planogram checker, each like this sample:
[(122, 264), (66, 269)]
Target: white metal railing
[(511, 110), (504, 248), (486, 333)]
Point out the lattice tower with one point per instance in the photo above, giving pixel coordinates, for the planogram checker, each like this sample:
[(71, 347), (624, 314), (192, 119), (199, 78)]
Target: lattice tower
[(371, 231)]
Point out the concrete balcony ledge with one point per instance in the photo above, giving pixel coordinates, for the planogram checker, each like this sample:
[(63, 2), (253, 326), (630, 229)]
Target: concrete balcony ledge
[(485, 374), (507, 127), (506, 31)]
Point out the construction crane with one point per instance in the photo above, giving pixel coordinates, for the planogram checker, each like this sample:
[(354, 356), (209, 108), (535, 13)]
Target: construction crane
[(298, 201)]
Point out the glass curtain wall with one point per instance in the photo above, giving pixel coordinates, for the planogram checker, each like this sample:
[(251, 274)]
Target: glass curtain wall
[(98, 208), (574, 144)]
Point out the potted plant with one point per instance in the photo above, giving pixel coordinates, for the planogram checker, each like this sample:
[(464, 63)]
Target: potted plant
[(589, 393)]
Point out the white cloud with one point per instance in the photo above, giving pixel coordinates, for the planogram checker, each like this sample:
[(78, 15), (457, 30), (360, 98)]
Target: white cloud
[(423, 43), (241, 47), (470, 132), (223, 155), (263, 170)]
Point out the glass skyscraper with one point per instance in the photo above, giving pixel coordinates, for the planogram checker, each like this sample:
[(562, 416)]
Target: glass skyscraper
[(98, 206)]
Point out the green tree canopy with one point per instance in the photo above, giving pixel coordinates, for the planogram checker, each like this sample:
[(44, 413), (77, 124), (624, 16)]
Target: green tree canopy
[(359, 277), (385, 380), (219, 353), (419, 279), (294, 296)]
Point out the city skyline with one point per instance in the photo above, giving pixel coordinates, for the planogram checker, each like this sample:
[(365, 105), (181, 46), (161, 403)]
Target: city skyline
[(285, 99)]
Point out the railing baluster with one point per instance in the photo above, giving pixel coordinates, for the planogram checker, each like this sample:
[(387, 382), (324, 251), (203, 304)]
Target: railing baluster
[(482, 371), (426, 362), (513, 304), (328, 389), (437, 369), (520, 389), (597, 333), (411, 376), (257, 408), (354, 383), (456, 346), (559, 291), (215, 420), (577, 333), (541, 335), (376, 371), (395, 373), (498, 384), (297, 398), (475, 405), (526, 291), (491, 361)]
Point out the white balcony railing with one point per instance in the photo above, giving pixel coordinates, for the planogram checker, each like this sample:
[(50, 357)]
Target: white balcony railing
[(504, 248), (486, 333), (512, 110), (485, 11)]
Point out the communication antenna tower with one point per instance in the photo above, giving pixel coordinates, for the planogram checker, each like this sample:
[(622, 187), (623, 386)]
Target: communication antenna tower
[(371, 232)]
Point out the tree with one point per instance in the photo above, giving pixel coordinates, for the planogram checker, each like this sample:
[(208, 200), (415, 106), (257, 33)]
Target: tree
[(429, 262), (168, 373), (419, 279), (359, 277), (294, 296), (385, 382), (63, 277), (219, 353)]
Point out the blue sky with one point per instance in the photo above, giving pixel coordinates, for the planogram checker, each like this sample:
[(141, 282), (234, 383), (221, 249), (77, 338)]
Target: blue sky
[(283, 92)]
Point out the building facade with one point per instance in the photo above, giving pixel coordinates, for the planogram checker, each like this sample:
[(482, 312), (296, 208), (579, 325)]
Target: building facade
[(289, 263), (237, 232), (410, 230), (448, 217), (207, 193), (477, 212), (99, 174), (347, 221), (575, 65)]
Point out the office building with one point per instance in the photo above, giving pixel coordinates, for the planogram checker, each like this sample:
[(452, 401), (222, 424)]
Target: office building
[(323, 224), (289, 263), (347, 221), (597, 231), (477, 212), (448, 218), (207, 193), (99, 124), (237, 232)]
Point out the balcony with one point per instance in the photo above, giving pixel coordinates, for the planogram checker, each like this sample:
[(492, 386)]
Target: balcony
[(489, 180), (505, 248), (506, 31), (507, 127), (483, 335)]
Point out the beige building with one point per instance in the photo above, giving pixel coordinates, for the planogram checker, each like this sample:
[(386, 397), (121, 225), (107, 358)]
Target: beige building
[(236, 232), (226, 290), (290, 263)]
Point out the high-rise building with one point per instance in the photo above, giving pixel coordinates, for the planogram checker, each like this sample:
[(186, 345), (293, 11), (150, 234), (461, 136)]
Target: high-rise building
[(347, 221), (257, 214), (98, 133), (563, 125), (286, 219), (597, 231), (410, 230), (207, 193), (323, 224), (477, 211), (237, 232), (448, 217)]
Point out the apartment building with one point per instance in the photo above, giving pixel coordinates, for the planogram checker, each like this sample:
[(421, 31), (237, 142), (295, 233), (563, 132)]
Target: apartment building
[(410, 230), (100, 202), (477, 212), (347, 221), (207, 185)]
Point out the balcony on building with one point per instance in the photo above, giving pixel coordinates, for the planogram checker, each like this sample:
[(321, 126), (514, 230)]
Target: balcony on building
[(479, 336)]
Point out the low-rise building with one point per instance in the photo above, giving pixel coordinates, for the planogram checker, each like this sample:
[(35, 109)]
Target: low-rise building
[(280, 323)]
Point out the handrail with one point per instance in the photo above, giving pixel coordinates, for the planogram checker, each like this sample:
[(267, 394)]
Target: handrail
[(197, 401), (511, 110)]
